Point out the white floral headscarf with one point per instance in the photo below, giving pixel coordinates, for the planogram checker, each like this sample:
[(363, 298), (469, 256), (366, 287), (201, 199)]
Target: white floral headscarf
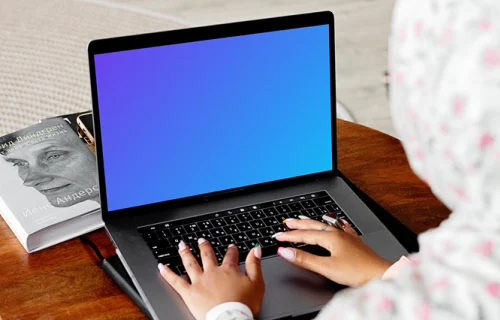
[(445, 99)]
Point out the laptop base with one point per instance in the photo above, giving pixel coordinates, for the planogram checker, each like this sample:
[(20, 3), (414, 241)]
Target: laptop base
[(114, 268)]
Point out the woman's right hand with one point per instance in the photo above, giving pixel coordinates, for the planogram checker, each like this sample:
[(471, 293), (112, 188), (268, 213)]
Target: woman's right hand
[(351, 261)]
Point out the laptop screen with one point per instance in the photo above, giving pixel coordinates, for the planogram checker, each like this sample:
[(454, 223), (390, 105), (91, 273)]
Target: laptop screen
[(199, 117)]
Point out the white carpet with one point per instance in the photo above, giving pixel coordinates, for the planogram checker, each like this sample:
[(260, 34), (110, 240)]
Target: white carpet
[(43, 56)]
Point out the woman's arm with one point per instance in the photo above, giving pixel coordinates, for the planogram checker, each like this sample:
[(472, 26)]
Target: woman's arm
[(456, 276)]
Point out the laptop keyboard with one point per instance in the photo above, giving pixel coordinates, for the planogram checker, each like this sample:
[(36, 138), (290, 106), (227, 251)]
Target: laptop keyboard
[(244, 227)]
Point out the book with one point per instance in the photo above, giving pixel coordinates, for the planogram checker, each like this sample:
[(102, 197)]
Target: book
[(49, 188), (86, 133)]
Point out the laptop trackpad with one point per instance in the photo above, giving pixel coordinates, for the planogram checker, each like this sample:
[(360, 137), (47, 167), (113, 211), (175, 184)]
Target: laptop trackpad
[(293, 291)]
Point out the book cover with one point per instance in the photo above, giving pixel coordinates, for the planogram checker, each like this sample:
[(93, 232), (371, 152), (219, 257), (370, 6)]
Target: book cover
[(48, 176)]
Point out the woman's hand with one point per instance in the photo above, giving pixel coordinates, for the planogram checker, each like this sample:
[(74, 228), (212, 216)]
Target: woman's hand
[(217, 284), (351, 263)]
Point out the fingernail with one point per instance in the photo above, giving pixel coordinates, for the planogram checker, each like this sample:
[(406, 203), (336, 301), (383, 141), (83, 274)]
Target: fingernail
[(346, 224), (231, 245), (289, 219), (201, 240), (257, 251), (286, 253), (182, 246), (276, 234), (161, 267), (304, 218)]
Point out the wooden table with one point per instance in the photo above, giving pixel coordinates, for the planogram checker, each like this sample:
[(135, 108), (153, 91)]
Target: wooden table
[(66, 281)]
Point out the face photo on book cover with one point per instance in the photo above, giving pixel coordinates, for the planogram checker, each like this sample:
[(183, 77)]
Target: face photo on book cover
[(52, 159)]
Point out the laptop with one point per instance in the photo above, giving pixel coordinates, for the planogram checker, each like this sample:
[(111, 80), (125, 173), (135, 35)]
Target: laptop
[(222, 132)]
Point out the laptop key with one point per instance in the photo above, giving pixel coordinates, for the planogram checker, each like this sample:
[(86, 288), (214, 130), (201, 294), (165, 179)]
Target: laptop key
[(226, 240), (177, 231), (165, 253), (295, 215), (283, 209), (149, 236), (204, 234), (256, 224), (244, 217), (251, 243), (218, 222), (323, 201), (270, 212), (215, 243), (267, 242), (323, 210), (295, 206), (242, 256), (242, 247), (282, 217), (217, 232), (258, 214), (253, 234), (308, 213), (279, 228), (205, 225), (332, 208), (159, 244), (320, 211), (192, 227), (267, 231), (269, 251), (217, 253), (231, 229), (271, 221), (244, 226), (308, 204), (220, 258), (174, 241), (171, 262), (190, 238), (240, 237), (231, 220), (163, 234), (222, 250)]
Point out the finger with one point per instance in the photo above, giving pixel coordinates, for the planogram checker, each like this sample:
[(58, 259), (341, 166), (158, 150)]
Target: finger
[(319, 238), (307, 224), (179, 284), (305, 260), (231, 257), (193, 269), (349, 229), (252, 265), (207, 254)]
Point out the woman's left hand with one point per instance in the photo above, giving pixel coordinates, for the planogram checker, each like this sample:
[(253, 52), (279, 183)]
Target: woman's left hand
[(215, 284), (351, 262)]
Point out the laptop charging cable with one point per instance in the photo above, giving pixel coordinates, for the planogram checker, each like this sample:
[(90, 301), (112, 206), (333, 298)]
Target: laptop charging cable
[(115, 270)]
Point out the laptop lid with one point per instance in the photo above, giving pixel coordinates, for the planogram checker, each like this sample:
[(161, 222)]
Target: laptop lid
[(183, 115)]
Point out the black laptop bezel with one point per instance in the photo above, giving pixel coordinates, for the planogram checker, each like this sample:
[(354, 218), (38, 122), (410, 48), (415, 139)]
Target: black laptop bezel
[(198, 34)]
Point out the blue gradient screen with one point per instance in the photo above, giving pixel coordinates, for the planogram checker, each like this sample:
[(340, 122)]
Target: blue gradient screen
[(200, 117)]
